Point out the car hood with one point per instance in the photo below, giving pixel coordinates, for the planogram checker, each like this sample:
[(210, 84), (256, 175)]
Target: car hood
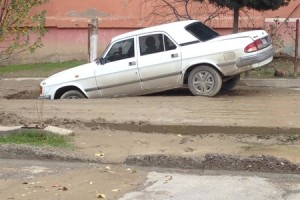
[(70, 75)]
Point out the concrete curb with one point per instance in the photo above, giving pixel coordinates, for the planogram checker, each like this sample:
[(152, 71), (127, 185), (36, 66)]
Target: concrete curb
[(278, 83), (10, 128), (59, 131), (51, 129)]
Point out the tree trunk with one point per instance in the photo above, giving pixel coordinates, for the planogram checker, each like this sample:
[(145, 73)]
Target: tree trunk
[(236, 13)]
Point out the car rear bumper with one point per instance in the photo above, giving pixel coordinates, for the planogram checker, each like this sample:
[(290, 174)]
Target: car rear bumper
[(257, 57)]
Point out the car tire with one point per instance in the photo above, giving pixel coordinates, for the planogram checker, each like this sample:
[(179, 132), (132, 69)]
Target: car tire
[(204, 81), (72, 94), (231, 83)]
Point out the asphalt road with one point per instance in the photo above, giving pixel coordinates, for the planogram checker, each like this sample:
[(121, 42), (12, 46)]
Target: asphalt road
[(22, 179), (217, 185)]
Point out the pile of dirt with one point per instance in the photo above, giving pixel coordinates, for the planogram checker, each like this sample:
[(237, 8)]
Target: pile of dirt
[(23, 95), (9, 119), (260, 163), (98, 123), (64, 122), (12, 119)]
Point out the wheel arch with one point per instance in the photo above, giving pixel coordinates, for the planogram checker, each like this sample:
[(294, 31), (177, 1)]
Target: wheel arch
[(190, 68), (59, 92)]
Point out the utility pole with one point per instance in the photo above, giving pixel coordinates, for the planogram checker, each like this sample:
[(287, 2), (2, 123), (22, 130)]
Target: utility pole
[(296, 48), (93, 39)]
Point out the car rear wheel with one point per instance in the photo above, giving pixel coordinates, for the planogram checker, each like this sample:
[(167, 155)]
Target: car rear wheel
[(72, 94), (231, 83), (204, 81)]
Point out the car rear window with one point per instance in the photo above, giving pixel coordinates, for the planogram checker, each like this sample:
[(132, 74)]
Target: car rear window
[(201, 31)]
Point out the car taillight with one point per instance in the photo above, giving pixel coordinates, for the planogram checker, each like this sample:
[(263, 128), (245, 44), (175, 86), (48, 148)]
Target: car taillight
[(259, 43), (254, 46)]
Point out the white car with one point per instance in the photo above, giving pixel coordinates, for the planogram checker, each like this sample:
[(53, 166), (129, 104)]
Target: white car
[(162, 58)]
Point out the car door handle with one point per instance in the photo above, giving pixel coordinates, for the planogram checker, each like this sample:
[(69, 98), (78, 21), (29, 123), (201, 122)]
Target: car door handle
[(174, 55), (132, 63)]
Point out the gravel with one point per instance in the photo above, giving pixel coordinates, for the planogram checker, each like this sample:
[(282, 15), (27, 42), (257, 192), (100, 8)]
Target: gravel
[(261, 163)]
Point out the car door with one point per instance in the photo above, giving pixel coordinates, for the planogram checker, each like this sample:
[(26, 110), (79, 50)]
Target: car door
[(118, 74), (159, 62)]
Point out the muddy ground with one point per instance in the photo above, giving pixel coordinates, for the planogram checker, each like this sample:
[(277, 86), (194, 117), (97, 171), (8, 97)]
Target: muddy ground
[(250, 128), (243, 122)]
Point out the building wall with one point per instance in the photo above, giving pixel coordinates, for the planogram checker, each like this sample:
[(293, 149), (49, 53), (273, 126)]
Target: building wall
[(284, 20), (67, 23), (63, 44), (285, 32)]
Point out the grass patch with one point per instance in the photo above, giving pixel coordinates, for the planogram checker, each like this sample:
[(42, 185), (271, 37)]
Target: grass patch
[(36, 138), (40, 66), (38, 69), (284, 65)]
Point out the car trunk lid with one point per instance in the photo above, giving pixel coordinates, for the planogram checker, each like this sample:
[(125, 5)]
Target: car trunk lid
[(258, 34)]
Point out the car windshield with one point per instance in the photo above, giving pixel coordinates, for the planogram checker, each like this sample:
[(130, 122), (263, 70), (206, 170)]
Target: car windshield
[(201, 31)]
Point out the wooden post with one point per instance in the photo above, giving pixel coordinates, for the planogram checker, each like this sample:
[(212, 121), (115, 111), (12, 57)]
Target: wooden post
[(296, 48), (93, 39)]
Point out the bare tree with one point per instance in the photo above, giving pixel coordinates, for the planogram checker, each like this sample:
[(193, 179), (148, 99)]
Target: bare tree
[(162, 11)]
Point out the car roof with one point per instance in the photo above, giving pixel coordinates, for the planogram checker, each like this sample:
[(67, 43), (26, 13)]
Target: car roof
[(175, 29)]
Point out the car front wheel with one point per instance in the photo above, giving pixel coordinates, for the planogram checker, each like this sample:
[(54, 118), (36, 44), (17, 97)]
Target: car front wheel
[(72, 94), (204, 81)]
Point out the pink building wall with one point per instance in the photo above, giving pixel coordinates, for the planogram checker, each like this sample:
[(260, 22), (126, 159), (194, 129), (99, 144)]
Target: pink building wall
[(63, 44), (286, 25), (67, 23)]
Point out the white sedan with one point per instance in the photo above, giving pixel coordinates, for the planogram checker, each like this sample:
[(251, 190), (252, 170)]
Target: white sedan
[(161, 58)]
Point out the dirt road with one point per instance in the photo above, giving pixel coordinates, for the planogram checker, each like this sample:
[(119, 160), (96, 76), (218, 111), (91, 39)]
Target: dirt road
[(243, 122), (24, 179), (243, 107)]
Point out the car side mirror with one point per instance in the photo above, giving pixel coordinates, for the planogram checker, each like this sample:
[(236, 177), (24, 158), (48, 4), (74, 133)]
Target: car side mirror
[(101, 61)]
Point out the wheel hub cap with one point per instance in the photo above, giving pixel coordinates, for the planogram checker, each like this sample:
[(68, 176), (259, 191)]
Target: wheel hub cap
[(203, 82)]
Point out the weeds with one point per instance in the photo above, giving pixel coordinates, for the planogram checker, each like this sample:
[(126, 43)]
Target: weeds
[(36, 138), (283, 66)]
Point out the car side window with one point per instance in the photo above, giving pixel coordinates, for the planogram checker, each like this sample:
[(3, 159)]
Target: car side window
[(155, 43), (121, 50), (151, 44), (169, 45)]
